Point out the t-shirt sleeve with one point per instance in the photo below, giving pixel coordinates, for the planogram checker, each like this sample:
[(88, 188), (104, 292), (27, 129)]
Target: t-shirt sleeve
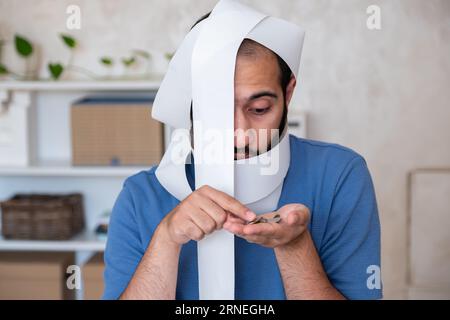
[(351, 248), (123, 249)]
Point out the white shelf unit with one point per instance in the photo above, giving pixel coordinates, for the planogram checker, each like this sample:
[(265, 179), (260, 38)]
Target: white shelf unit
[(65, 86), (64, 169), (85, 241), (50, 170)]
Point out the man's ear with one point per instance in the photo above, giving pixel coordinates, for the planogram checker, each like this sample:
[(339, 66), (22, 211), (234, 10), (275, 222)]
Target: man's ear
[(290, 89)]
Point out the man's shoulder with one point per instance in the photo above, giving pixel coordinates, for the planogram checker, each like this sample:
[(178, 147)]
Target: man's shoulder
[(317, 151), (144, 189), (141, 179)]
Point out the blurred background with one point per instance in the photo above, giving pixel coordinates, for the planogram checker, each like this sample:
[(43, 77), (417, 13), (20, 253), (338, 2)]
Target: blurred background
[(77, 79)]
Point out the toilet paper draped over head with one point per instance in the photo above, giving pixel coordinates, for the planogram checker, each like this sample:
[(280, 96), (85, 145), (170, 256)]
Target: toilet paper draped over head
[(201, 73)]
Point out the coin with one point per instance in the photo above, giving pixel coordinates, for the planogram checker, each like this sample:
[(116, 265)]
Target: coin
[(276, 219)]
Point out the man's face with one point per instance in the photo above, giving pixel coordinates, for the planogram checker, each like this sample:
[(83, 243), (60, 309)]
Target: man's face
[(259, 103)]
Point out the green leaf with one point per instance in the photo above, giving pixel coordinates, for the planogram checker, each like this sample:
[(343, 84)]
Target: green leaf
[(69, 40), (128, 61), (55, 70), (106, 61), (169, 55), (23, 46), (3, 69), (143, 53)]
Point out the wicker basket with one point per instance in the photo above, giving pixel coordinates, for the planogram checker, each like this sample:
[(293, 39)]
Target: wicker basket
[(42, 216)]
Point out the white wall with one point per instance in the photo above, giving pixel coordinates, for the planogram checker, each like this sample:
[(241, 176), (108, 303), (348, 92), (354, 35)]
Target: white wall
[(384, 93)]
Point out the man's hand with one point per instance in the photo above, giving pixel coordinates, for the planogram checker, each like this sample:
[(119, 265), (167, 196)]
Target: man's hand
[(202, 212), (294, 221)]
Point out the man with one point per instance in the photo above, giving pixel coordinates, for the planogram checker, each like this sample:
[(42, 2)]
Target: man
[(327, 239)]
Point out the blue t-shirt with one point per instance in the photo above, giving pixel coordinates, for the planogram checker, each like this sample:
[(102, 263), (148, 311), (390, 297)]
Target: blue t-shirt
[(331, 180)]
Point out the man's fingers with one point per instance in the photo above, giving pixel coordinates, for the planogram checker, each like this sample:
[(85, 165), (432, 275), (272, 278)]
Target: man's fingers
[(228, 203), (294, 213), (293, 218), (236, 228), (234, 219), (270, 230), (203, 221), (263, 229), (214, 211), (193, 231)]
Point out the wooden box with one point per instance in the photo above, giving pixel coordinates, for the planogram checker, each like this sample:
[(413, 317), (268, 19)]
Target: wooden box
[(115, 131), (93, 278), (34, 275)]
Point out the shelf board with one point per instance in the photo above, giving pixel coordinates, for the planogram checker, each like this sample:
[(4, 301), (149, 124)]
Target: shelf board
[(77, 85), (65, 169), (85, 241)]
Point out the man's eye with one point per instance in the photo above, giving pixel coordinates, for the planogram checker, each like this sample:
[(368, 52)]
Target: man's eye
[(259, 111)]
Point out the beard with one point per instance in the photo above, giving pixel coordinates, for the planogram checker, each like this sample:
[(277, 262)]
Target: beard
[(250, 151)]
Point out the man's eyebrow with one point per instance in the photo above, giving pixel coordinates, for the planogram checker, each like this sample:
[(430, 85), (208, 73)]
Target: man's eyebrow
[(263, 94)]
